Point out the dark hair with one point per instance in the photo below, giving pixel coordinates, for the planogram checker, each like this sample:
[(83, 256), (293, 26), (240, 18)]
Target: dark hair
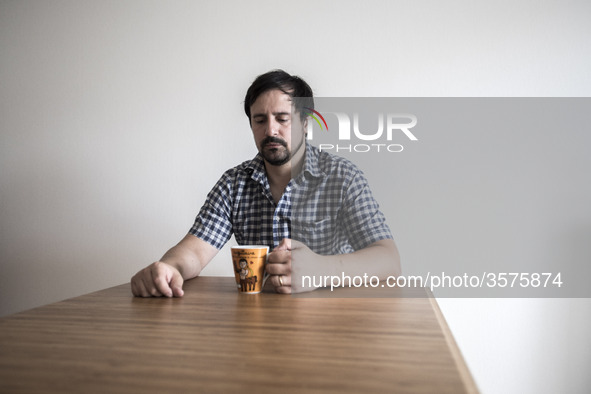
[(291, 85)]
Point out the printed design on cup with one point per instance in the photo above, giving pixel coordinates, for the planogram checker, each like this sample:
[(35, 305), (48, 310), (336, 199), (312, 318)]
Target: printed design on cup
[(248, 263), (248, 279)]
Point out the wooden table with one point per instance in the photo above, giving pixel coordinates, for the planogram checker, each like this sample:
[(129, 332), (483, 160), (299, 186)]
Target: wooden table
[(216, 340)]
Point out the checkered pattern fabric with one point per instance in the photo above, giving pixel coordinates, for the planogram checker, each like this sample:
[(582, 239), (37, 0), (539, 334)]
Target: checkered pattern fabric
[(328, 206)]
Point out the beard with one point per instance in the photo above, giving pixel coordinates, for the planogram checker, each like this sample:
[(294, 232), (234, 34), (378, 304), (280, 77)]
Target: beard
[(276, 156)]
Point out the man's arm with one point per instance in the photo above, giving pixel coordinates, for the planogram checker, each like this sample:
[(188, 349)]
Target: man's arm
[(291, 260), (181, 262), (380, 259)]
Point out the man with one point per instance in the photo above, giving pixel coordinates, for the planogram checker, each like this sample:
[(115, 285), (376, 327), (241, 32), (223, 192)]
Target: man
[(290, 189)]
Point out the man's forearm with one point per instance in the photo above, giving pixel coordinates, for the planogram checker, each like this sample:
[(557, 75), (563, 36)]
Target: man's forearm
[(184, 260), (380, 259)]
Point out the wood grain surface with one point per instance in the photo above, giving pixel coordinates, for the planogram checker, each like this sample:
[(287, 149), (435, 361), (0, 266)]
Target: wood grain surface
[(216, 340)]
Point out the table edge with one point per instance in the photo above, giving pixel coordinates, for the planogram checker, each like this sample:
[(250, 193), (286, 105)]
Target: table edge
[(461, 365)]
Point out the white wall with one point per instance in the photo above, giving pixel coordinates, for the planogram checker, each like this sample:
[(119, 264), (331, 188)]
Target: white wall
[(116, 117)]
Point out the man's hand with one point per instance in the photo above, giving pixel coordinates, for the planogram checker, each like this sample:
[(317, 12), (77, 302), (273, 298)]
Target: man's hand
[(291, 260), (280, 268), (165, 277), (157, 280)]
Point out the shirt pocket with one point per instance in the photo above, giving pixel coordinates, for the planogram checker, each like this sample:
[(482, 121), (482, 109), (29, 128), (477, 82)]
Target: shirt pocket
[(317, 235)]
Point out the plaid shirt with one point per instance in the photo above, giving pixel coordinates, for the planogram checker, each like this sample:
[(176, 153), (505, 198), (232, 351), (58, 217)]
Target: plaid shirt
[(328, 206)]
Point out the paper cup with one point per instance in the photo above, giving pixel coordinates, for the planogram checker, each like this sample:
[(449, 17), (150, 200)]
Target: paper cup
[(249, 267)]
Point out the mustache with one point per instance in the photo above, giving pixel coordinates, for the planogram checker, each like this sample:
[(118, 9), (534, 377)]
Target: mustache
[(273, 140)]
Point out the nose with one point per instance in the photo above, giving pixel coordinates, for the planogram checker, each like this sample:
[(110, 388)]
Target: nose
[(272, 129)]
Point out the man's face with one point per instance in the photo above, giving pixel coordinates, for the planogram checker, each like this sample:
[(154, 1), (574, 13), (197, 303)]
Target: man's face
[(275, 127)]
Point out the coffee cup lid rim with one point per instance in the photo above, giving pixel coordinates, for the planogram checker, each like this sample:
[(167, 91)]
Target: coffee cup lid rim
[(249, 247)]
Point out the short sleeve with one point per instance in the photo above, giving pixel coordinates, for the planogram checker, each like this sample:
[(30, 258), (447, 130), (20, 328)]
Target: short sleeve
[(213, 224), (362, 219)]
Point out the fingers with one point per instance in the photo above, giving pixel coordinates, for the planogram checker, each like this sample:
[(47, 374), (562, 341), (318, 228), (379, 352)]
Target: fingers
[(176, 283), (138, 286), (279, 266), (277, 259), (155, 283), (280, 277), (285, 244), (281, 254), (157, 280), (283, 290), (281, 280), (134, 288), (281, 283)]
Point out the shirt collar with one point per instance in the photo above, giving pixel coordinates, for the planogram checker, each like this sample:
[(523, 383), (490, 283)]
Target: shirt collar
[(311, 163), (256, 167)]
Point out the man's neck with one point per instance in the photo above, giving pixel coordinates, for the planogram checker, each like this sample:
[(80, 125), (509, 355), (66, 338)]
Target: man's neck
[(279, 176)]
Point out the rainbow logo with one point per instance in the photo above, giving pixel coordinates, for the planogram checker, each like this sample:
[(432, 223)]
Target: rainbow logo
[(312, 112)]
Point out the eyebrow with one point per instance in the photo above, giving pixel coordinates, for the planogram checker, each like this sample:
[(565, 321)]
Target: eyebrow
[(274, 113)]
